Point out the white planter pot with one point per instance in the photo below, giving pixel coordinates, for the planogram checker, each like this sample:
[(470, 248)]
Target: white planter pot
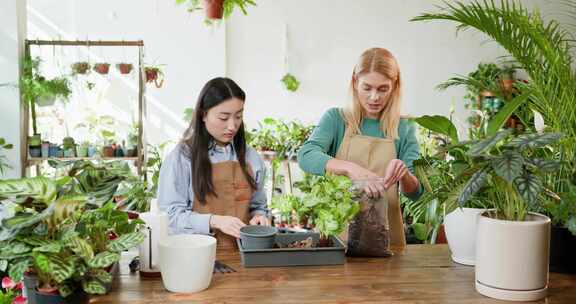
[(460, 226), (187, 262), (512, 258)]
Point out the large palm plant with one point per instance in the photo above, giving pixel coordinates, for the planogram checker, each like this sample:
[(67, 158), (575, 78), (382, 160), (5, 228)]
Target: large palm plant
[(544, 50)]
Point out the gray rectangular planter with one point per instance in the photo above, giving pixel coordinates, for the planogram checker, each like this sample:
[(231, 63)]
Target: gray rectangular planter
[(294, 256)]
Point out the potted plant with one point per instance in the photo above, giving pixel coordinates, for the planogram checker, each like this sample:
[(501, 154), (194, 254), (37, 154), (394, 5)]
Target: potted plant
[(290, 82), (82, 149), (102, 68), (154, 74), (563, 236), (37, 90), (217, 9), (3, 159), (69, 146), (81, 68), (35, 145), (70, 235), (124, 68), (443, 175), (538, 46), (45, 149), (511, 240)]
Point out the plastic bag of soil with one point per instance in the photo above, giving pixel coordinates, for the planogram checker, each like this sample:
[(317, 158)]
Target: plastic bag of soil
[(369, 232)]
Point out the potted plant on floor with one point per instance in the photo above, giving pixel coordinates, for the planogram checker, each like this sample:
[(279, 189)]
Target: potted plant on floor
[(563, 236)]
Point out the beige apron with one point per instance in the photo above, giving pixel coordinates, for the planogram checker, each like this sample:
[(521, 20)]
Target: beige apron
[(366, 234), (233, 195)]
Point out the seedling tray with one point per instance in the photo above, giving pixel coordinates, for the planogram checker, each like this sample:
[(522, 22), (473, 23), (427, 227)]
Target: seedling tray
[(294, 256)]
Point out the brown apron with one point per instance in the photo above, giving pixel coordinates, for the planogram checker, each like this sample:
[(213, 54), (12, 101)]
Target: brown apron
[(378, 226), (233, 195)]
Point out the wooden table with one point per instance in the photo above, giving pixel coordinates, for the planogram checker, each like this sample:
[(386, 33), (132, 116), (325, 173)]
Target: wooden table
[(420, 274)]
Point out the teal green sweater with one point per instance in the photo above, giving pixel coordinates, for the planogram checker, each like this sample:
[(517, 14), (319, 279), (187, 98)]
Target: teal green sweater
[(325, 141)]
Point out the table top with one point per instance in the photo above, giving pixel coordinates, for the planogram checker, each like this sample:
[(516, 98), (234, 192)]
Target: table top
[(419, 274)]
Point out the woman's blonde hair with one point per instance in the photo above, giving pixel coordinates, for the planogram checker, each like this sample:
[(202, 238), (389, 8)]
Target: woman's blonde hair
[(381, 61)]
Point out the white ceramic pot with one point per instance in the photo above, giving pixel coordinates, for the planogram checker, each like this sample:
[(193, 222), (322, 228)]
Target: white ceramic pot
[(512, 257), (187, 262), (460, 226)]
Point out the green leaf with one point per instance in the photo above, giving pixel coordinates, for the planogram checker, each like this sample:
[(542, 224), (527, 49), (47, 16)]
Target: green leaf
[(65, 290), (102, 275), (126, 241), (486, 144), (80, 246), (508, 165), (53, 247), (571, 224), (545, 165), (420, 231), (474, 184), (502, 116), (39, 188), (43, 263), (17, 269), (104, 259), (62, 269), (439, 124), (529, 187), (3, 265), (534, 140), (93, 287)]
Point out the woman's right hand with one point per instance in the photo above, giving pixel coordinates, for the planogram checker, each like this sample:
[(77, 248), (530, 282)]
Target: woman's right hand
[(228, 224)]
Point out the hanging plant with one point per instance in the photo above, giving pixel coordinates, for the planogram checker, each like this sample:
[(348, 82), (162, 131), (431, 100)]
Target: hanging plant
[(80, 68), (102, 68), (124, 68), (290, 82), (154, 74), (217, 9)]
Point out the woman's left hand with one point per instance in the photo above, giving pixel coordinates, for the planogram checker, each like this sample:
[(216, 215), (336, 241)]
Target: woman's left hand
[(394, 172), (259, 219)]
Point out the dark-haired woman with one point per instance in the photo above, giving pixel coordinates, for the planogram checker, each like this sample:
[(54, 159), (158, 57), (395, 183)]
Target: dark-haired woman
[(212, 182)]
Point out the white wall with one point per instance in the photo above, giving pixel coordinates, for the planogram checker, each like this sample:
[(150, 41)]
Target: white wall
[(326, 37), (190, 51), (12, 33)]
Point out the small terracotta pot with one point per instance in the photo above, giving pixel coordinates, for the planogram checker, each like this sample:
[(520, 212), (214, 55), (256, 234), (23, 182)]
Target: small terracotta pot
[(214, 9), (124, 68), (102, 68)]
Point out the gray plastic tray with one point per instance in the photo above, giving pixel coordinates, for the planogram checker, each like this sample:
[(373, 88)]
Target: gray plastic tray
[(294, 256)]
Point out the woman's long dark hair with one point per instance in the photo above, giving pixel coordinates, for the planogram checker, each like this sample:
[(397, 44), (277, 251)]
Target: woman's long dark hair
[(196, 141)]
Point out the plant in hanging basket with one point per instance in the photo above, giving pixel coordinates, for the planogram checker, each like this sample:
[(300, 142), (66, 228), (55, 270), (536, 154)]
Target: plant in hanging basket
[(154, 74), (102, 68), (217, 9), (290, 82), (124, 68), (80, 67)]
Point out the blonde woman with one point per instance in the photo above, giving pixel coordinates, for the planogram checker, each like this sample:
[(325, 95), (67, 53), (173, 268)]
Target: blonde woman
[(369, 141)]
